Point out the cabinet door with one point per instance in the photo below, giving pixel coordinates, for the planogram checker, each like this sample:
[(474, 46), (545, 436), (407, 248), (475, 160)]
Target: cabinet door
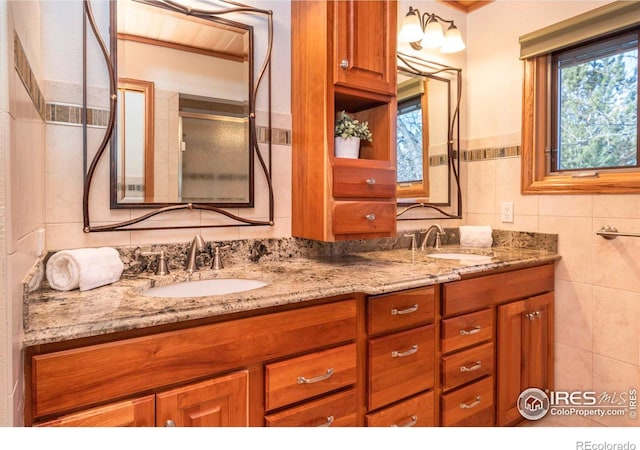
[(220, 402), (138, 412), (365, 45), (525, 352)]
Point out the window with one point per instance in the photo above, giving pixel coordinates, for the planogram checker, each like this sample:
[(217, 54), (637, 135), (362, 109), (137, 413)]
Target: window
[(580, 108), (595, 106)]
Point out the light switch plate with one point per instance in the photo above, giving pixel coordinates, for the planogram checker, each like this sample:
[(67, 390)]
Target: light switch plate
[(507, 212)]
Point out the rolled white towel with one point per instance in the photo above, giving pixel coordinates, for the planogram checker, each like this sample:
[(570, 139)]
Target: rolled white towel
[(84, 268), (476, 236)]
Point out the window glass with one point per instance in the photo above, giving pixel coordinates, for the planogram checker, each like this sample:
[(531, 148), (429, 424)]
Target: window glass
[(595, 106)]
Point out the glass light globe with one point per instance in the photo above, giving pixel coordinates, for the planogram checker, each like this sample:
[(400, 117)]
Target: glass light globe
[(452, 41), (433, 36), (411, 30)]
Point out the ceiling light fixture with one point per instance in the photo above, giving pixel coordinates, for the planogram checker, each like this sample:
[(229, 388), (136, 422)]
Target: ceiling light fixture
[(425, 31)]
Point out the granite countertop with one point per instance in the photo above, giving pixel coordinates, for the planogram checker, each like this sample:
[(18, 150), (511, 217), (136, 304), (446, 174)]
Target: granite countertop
[(55, 316)]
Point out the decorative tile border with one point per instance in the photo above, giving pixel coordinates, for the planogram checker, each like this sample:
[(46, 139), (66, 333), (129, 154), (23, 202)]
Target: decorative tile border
[(484, 154), (67, 114), (279, 136), (23, 68)]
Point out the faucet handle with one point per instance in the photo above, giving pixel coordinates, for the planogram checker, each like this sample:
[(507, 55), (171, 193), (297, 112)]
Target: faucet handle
[(217, 261), (438, 242), (163, 268), (413, 240)]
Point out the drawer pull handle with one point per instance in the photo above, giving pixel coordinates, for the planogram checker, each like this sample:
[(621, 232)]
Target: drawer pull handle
[(476, 366), (469, 331), (324, 376), (471, 405), (344, 64), (409, 310), (411, 351), (533, 315), (371, 217), (412, 422), (328, 423), (371, 181), (169, 423)]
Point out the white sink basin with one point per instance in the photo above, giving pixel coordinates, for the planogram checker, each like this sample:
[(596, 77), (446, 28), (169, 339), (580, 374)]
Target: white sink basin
[(462, 257), (204, 288)]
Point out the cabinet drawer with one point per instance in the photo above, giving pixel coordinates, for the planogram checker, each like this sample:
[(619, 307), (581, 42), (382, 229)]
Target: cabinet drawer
[(463, 331), (337, 410), (367, 182), (306, 376), (364, 217), (74, 378), (471, 406), (400, 310), (415, 412), (468, 365), (468, 295), (400, 365)]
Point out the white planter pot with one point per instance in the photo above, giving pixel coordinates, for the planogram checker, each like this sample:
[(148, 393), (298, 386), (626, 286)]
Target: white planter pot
[(347, 148)]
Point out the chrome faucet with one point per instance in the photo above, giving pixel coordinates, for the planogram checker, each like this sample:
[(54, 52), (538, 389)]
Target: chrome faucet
[(427, 232), (197, 244)]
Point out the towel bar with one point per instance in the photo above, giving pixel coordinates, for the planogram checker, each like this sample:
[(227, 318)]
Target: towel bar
[(611, 232)]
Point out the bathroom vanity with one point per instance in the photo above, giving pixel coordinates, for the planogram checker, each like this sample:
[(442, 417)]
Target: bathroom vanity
[(370, 339)]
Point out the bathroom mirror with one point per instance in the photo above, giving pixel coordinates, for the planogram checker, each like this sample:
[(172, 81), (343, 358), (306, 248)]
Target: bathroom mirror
[(184, 80), (428, 135)]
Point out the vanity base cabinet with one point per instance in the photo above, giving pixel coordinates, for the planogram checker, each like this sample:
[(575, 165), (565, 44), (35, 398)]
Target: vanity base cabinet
[(201, 375), (496, 340), (525, 360)]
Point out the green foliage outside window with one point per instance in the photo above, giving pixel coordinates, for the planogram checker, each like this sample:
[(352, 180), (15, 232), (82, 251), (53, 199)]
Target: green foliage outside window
[(598, 117)]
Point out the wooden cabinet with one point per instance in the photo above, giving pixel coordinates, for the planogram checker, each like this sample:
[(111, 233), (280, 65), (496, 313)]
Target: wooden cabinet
[(525, 359), (496, 340), (343, 59), (401, 351), (365, 55), (199, 375)]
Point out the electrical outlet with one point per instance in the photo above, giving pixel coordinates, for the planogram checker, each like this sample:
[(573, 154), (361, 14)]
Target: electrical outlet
[(507, 212)]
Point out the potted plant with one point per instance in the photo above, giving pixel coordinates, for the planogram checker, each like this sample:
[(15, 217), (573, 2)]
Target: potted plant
[(348, 134)]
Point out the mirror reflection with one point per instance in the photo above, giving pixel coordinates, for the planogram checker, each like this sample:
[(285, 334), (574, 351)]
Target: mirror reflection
[(428, 136), (183, 131)]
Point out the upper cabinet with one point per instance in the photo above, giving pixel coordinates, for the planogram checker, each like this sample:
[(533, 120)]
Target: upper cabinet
[(364, 46), (343, 59)]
